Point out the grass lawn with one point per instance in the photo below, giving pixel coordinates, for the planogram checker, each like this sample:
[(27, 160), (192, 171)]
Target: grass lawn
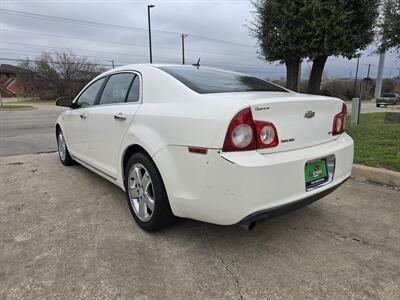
[(376, 144), (15, 106)]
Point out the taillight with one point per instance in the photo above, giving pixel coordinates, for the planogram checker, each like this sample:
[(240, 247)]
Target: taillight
[(267, 137), (339, 121), (240, 135), (244, 134)]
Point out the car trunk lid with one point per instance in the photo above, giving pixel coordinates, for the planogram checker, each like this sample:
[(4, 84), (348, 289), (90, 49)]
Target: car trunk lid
[(301, 120)]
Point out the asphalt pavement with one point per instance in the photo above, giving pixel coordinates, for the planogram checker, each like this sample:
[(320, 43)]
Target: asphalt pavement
[(66, 233), (29, 131)]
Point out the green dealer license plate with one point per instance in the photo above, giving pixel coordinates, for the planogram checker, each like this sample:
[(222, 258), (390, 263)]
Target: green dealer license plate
[(316, 173)]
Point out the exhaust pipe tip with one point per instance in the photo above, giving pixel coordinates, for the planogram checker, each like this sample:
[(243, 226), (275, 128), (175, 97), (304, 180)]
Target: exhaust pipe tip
[(252, 225), (248, 226)]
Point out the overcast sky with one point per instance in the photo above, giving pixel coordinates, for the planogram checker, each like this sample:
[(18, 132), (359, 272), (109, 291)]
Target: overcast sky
[(216, 32)]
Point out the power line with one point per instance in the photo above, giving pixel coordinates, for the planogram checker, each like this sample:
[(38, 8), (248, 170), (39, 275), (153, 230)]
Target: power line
[(112, 43), (72, 49), (32, 53), (108, 43), (128, 58), (238, 68), (37, 61), (112, 26), (83, 39)]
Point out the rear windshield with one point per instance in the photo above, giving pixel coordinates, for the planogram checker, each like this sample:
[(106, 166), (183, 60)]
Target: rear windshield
[(389, 95), (206, 80)]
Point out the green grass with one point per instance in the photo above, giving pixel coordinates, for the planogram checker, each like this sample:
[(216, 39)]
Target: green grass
[(15, 106), (376, 144)]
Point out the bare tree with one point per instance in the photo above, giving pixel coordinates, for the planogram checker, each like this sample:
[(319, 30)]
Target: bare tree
[(58, 74)]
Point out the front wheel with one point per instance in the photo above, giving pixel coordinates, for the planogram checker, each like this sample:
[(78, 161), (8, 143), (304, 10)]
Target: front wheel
[(63, 152), (146, 194)]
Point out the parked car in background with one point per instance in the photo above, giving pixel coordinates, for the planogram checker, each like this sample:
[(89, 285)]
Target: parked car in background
[(388, 99), (206, 144)]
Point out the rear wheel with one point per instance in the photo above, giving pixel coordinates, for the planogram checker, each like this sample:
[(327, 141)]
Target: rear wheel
[(63, 152), (146, 194)]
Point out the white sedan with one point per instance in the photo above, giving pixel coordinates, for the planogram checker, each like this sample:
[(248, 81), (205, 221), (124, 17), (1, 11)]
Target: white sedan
[(205, 144)]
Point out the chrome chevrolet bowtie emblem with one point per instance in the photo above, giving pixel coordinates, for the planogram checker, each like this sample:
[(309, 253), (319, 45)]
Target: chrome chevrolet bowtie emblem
[(310, 114)]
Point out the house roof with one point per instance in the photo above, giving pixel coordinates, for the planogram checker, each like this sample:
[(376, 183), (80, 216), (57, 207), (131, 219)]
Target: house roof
[(5, 68)]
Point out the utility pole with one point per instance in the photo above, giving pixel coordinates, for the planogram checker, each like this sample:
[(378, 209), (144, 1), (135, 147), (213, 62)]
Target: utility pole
[(183, 47), (112, 62), (367, 79), (148, 18), (355, 80), (378, 86)]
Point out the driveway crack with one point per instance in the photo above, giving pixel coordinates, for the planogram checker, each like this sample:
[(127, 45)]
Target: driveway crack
[(224, 264), (343, 237)]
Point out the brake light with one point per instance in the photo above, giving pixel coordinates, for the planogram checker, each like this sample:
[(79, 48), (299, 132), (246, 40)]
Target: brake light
[(244, 134), (240, 135), (339, 121)]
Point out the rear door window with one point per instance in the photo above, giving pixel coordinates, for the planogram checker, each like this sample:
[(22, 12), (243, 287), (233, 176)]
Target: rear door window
[(134, 90), (116, 88)]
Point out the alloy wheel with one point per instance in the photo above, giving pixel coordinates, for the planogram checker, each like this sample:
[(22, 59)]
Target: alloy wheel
[(62, 147), (141, 192)]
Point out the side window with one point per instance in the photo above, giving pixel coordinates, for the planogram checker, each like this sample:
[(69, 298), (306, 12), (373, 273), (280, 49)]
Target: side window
[(88, 97), (116, 88), (134, 91)]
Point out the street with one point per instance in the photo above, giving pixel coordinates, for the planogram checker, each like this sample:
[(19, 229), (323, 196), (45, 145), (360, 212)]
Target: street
[(369, 107), (67, 233), (28, 131)]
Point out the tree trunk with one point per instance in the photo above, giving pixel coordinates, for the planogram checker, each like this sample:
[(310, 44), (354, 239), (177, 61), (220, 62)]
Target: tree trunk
[(314, 83), (292, 74)]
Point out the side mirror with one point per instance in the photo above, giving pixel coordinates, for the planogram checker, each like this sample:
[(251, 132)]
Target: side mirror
[(64, 101)]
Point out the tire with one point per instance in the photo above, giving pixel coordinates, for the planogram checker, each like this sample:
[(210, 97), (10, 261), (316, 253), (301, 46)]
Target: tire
[(63, 152), (146, 194), (377, 105)]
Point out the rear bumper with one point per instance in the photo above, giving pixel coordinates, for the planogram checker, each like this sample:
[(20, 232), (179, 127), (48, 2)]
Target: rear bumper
[(226, 188), (386, 102), (277, 211)]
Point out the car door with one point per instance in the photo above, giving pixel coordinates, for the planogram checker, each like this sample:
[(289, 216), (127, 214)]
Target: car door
[(110, 118), (75, 120)]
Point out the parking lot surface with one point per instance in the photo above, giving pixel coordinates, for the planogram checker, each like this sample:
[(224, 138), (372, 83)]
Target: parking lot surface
[(67, 233)]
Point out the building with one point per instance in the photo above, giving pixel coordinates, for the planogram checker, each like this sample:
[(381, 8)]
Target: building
[(11, 83)]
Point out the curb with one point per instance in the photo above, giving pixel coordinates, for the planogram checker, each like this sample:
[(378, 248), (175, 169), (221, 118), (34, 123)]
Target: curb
[(376, 175)]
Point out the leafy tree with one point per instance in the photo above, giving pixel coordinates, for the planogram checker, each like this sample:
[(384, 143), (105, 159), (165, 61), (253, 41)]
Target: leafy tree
[(339, 28), (289, 31), (281, 34), (390, 28)]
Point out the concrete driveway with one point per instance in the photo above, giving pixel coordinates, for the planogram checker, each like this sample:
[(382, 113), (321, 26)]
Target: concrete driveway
[(67, 233)]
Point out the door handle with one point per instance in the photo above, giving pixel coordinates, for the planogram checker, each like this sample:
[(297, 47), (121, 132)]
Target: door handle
[(83, 116), (119, 117)]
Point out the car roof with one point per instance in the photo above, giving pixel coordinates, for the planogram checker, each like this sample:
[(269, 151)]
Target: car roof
[(148, 67)]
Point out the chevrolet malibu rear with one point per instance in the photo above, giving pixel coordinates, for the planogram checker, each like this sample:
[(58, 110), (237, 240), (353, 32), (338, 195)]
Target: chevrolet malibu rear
[(226, 148)]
